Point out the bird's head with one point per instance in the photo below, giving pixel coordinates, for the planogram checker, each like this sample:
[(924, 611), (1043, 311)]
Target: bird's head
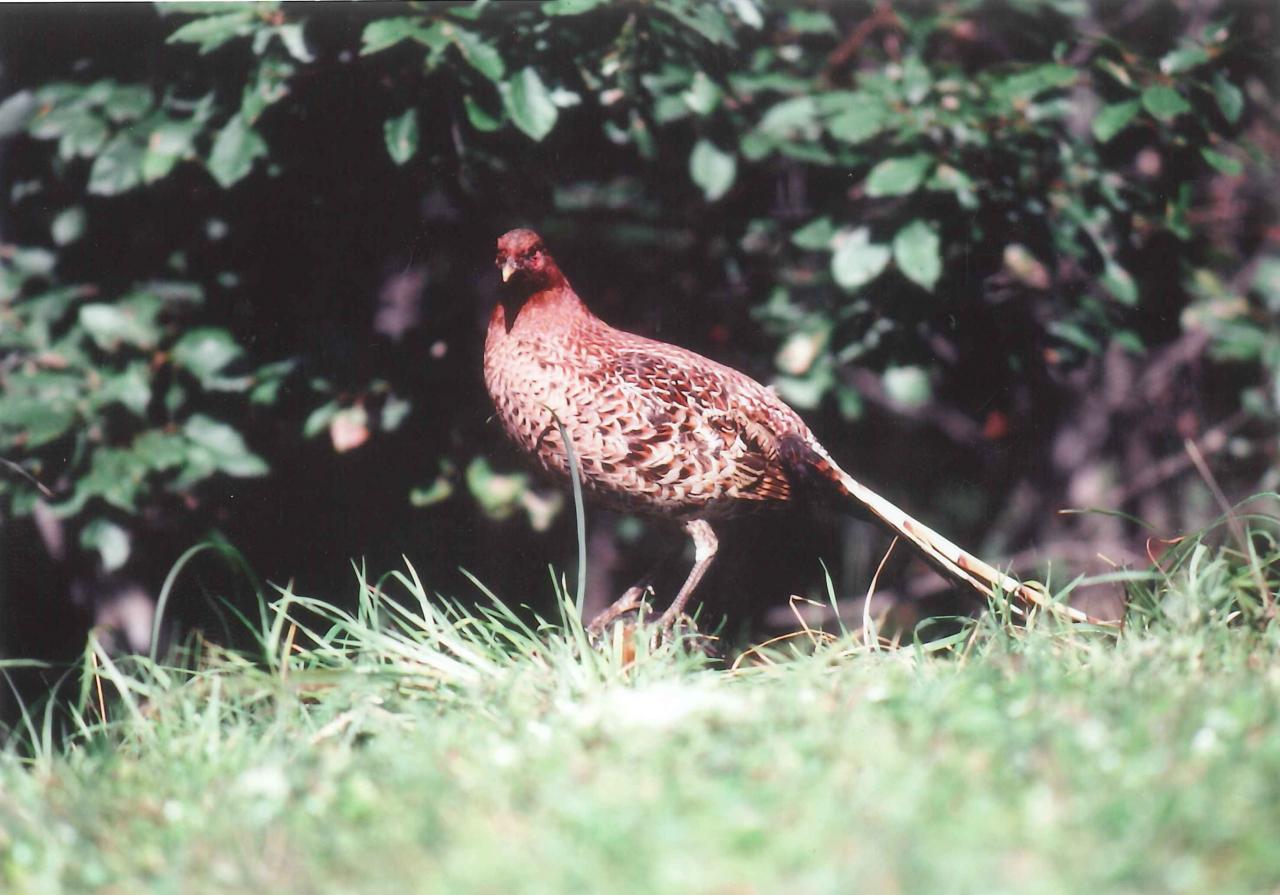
[(524, 261)]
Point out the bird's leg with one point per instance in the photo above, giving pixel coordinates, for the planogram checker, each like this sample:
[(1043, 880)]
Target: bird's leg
[(704, 550), (704, 542), (630, 599)]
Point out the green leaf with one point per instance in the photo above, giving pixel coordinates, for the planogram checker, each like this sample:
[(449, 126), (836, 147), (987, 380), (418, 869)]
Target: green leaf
[(59, 93), (815, 235), (481, 56), (704, 18), (214, 31), (479, 117), (1175, 213), (860, 118), (130, 388), (269, 379), (669, 108), (173, 137), (498, 494), (160, 450), (117, 169), (269, 85), (908, 385), (38, 408), (945, 178), (712, 169), (56, 121), (1164, 103), (1130, 341), (918, 253), (469, 11), (168, 144), (747, 12), (294, 42), (569, 7), (1120, 284), (32, 262), (1027, 85), (318, 420), (220, 446), (97, 93), (806, 392), (1118, 72), (804, 21), (205, 352), (395, 410), (529, 104), (122, 323), (115, 475), (266, 392), (1230, 99), (1183, 59), (857, 262), (1074, 334), (787, 118), (15, 113), (34, 422), (128, 102), (438, 491), (1114, 118), (68, 226), (916, 79), (1266, 282), (848, 402), (802, 349), (234, 151), (898, 176), (383, 33), (110, 540), (1224, 163), (703, 94), (82, 137), (401, 136), (50, 307), (261, 40)]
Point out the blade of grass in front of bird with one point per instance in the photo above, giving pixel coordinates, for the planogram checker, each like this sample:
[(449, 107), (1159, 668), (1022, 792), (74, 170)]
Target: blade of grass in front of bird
[(580, 516)]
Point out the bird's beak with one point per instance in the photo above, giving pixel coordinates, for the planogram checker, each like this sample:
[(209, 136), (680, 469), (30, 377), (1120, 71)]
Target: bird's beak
[(508, 268)]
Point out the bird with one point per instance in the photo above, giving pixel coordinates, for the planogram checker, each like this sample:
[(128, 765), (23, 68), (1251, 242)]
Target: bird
[(660, 430)]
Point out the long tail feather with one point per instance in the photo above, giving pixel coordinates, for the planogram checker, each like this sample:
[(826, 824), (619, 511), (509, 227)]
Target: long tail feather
[(950, 560)]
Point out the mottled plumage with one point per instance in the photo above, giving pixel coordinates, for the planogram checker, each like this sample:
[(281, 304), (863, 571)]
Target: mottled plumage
[(656, 428), (659, 429)]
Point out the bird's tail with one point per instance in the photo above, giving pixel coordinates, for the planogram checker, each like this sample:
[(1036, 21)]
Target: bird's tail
[(950, 560)]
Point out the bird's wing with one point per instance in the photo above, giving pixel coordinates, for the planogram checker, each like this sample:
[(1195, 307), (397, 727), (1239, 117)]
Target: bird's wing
[(696, 406)]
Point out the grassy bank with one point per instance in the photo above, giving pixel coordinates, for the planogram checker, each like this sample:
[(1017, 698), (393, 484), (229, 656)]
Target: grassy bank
[(414, 748)]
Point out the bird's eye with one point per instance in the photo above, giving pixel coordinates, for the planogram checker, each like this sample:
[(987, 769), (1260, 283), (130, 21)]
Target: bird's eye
[(531, 254)]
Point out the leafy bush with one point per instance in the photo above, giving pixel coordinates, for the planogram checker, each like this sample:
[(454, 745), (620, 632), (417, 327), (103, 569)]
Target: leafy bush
[(894, 192)]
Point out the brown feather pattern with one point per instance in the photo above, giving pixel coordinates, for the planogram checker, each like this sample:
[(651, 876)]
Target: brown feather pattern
[(656, 428)]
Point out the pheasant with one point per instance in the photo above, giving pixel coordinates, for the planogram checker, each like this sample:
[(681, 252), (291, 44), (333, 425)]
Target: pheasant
[(660, 430)]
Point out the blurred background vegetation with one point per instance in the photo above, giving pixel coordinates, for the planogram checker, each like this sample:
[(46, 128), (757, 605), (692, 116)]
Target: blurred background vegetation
[(1007, 258)]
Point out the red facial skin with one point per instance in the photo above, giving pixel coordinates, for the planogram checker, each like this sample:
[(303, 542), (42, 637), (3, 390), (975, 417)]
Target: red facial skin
[(525, 264)]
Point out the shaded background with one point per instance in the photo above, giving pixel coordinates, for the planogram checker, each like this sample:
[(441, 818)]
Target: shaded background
[(1101, 294)]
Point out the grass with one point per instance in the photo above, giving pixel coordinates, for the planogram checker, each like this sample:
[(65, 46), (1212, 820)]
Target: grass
[(414, 746)]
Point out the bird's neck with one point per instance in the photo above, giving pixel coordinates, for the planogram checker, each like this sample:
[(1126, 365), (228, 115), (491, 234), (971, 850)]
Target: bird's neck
[(552, 304)]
